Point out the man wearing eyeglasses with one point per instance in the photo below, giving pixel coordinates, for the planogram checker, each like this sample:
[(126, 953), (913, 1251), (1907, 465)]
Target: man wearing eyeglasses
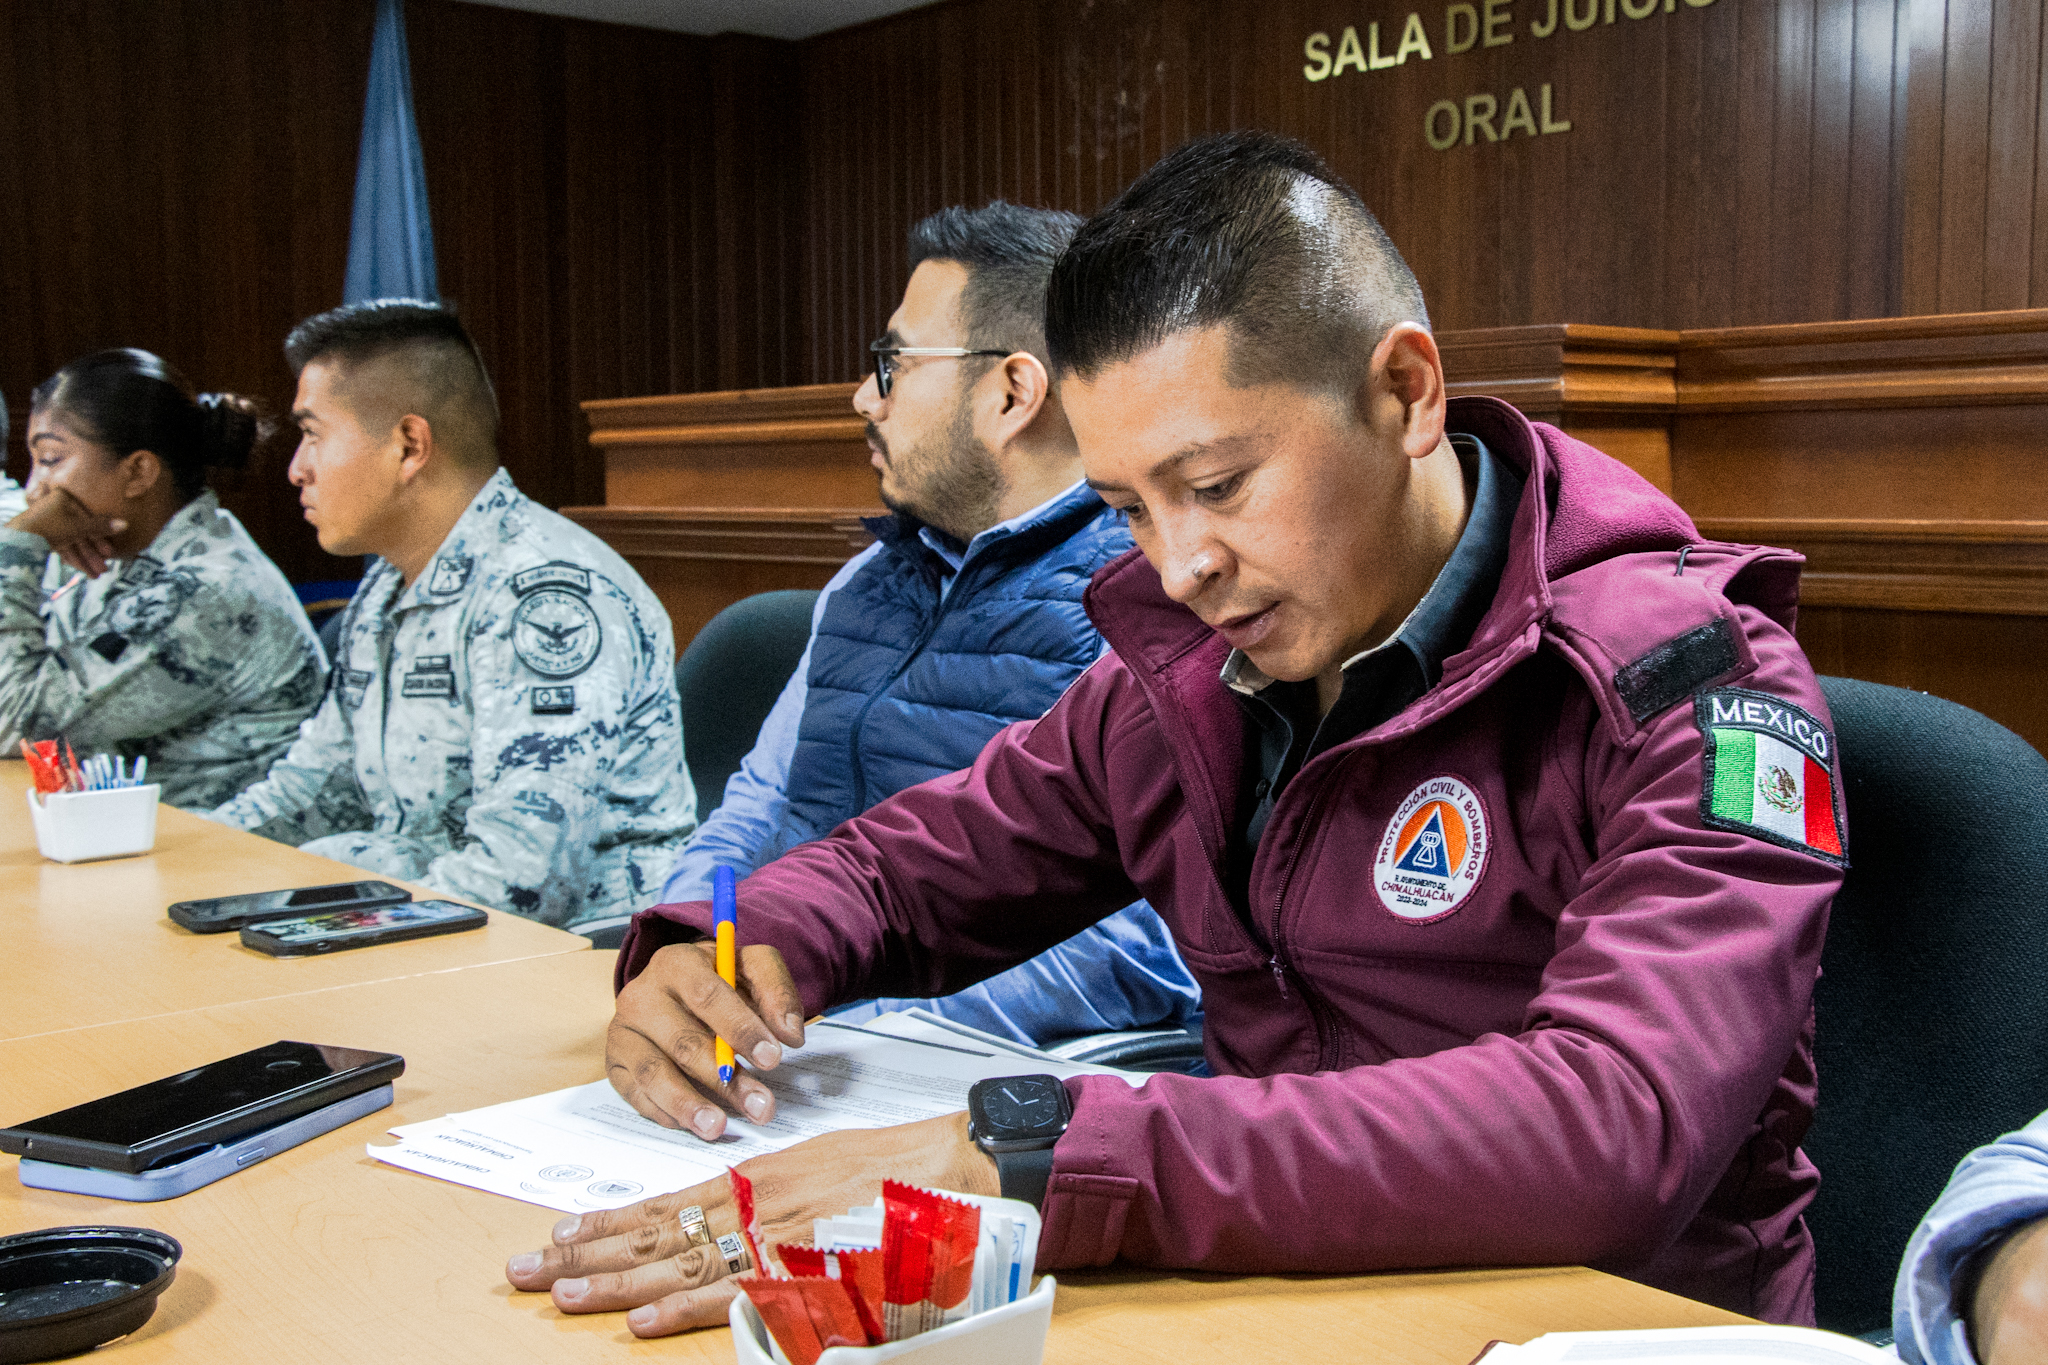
[(963, 617)]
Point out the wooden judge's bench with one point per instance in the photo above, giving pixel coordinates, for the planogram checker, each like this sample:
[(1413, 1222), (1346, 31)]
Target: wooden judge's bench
[(1906, 458)]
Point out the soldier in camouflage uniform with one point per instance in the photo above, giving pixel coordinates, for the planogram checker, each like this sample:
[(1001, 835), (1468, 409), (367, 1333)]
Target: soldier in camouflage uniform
[(191, 649), (502, 721)]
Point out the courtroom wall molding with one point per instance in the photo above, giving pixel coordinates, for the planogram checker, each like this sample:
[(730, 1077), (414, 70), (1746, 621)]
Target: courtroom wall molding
[(1548, 369), (810, 412), (1992, 568), (1939, 361), (1556, 368), (761, 535)]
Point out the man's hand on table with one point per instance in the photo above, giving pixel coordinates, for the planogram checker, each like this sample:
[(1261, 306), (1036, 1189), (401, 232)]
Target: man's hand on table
[(660, 1055), (2009, 1311)]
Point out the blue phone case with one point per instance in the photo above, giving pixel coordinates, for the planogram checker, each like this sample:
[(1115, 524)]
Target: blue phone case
[(168, 1182)]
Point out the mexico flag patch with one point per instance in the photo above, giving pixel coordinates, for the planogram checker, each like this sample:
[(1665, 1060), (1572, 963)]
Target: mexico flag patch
[(1770, 772)]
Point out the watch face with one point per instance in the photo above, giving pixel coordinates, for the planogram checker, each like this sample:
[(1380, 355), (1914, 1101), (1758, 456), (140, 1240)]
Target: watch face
[(1020, 1107), (555, 633)]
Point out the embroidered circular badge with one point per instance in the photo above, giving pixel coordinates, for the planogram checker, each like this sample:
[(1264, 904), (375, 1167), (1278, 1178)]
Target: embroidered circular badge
[(555, 633), (1433, 852)]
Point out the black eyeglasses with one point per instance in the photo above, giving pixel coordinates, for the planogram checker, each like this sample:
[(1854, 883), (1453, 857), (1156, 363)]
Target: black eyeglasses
[(885, 359)]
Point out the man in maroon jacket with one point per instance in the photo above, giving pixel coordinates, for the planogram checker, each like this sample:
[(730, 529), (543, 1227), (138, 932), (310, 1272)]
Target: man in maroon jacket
[(1493, 809)]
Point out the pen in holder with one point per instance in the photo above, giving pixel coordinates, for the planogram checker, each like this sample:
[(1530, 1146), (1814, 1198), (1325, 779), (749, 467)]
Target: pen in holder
[(78, 827)]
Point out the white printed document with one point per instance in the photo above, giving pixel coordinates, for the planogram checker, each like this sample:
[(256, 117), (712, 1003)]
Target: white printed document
[(1748, 1345), (586, 1148)]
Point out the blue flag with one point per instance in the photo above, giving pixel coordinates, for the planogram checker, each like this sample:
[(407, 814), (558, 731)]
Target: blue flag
[(391, 238)]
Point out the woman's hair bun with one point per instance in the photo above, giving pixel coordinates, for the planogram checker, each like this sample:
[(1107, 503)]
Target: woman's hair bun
[(229, 428)]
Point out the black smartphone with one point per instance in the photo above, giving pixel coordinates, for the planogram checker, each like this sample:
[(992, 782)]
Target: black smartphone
[(338, 929), (172, 1119), (223, 913)]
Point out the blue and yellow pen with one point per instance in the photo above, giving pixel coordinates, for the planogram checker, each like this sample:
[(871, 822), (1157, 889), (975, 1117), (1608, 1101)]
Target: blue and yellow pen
[(728, 931)]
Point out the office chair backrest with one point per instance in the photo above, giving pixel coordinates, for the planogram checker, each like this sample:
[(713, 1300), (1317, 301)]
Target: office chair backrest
[(1932, 1009), (730, 676)]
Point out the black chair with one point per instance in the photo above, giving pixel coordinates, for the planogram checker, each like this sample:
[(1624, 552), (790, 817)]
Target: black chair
[(731, 675), (1152, 1050), (1932, 1009), (729, 678)]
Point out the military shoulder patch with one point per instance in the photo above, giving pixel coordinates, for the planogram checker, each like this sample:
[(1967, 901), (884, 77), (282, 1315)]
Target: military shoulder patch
[(554, 574), (110, 646), (1770, 772), (555, 633)]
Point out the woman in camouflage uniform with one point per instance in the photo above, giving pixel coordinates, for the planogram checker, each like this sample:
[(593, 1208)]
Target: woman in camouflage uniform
[(136, 615)]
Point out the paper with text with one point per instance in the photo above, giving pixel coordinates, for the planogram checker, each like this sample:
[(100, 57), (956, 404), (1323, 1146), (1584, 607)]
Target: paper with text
[(585, 1148)]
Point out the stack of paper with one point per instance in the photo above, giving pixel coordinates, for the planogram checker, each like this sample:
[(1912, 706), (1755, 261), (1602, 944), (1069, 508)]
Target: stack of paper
[(585, 1148)]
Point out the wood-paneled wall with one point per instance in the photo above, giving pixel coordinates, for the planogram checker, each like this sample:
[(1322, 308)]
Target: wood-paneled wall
[(625, 212), (611, 206), (1906, 458), (1746, 162)]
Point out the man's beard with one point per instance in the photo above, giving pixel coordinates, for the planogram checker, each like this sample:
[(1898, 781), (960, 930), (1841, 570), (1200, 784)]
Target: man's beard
[(957, 491)]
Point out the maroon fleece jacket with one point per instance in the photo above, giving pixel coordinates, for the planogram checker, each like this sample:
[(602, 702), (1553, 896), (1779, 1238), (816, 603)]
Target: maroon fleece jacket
[(1567, 1022)]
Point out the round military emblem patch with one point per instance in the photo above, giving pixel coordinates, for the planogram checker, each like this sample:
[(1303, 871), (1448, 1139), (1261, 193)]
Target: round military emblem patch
[(555, 633), (1433, 852)]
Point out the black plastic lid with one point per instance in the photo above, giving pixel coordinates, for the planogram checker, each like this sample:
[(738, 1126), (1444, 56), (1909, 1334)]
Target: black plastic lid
[(66, 1290)]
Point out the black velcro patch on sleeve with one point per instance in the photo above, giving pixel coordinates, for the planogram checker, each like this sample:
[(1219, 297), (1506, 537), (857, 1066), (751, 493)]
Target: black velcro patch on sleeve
[(110, 646), (1676, 669)]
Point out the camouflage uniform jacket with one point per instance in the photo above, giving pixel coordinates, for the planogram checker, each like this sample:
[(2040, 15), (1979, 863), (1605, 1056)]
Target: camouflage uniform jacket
[(195, 653), (505, 728)]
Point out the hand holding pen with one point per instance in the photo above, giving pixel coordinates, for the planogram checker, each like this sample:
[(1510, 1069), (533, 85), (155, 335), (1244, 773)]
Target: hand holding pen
[(681, 1024)]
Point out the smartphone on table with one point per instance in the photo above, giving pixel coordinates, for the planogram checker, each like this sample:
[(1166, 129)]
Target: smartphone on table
[(222, 913), (173, 1119), (338, 929)]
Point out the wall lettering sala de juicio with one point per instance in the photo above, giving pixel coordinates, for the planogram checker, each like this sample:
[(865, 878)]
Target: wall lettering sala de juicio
[(1481, 115)]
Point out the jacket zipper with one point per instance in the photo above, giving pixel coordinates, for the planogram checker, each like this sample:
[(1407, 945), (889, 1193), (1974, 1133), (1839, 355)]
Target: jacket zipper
[(1319, 1014)]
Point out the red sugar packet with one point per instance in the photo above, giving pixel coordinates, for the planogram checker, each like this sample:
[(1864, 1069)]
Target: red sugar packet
[(750, 1222), (928, 1246), (860, 1270), (807, 1316)]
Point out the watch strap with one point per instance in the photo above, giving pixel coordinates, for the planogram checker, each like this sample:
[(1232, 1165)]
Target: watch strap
[(1024, 1175)]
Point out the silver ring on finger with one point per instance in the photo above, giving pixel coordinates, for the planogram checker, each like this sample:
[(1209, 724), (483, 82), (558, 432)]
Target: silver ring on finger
[(735, 1252), (694, 1226)]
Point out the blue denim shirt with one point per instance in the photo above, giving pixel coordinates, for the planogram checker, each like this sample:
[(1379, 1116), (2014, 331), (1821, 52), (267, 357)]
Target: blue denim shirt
[(1122, 974), (1994, 1189)]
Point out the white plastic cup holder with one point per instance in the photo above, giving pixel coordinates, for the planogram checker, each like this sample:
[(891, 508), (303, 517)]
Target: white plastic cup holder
[(1011, 1335), (78, 827)]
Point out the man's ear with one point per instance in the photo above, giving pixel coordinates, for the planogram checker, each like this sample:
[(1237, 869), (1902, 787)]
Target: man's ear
[(141, 471), (1407, 384), (1022, 389), (416, 450)]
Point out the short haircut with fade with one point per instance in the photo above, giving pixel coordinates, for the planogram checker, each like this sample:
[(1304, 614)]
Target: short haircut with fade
[(1247, 230), (1008, 251), (427, 349)]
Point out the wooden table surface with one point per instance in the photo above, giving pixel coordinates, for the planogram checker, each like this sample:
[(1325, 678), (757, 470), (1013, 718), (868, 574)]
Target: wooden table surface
[(321, 1254), (88, 943)]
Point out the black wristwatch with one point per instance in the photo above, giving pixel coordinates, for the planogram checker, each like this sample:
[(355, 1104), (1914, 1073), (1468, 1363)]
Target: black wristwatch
[(1016, 1120)]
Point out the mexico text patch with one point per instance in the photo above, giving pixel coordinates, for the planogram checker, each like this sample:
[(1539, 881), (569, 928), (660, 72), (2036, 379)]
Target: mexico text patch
[(1433, 852), (1770, 772)]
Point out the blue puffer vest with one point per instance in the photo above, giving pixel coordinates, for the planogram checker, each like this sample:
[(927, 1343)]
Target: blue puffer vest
[(904, 687)]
